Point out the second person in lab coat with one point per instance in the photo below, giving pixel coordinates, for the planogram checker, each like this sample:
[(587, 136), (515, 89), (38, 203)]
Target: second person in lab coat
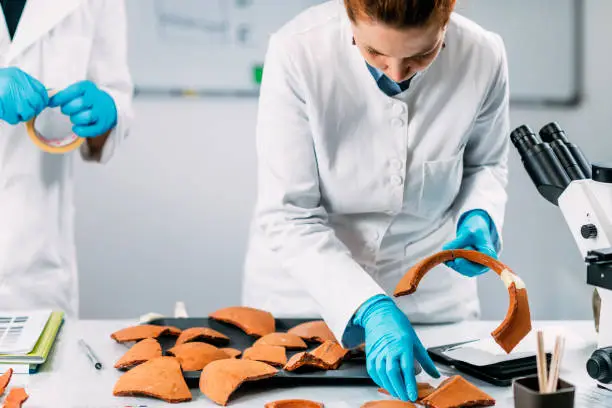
[(79, 49), (382, 137)]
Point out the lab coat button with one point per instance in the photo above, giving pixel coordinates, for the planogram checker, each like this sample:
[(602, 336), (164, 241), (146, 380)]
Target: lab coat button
[(397, 180), (397, 122), (395, 164), (399, 109)]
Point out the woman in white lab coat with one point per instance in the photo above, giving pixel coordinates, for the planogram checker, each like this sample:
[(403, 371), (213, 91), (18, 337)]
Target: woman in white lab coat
[(382, 137), (76, 47)]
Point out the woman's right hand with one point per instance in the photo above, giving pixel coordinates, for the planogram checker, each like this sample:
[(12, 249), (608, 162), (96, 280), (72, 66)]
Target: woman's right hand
[(21, 96), (391, 348)]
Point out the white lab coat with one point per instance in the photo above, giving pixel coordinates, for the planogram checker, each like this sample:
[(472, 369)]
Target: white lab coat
[(354, 186), (58, 42)]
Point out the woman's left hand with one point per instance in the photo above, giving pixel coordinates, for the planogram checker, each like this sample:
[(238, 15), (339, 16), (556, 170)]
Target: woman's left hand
[(473, 232)]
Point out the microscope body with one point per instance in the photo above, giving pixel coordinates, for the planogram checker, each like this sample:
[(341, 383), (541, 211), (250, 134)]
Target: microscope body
[(583, 193), (587, 208)]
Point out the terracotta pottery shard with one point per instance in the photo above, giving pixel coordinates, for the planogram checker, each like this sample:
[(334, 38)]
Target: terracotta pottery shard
[(159, 378), (331, 353), (388, 404), (15, 398), (456, 392), (195, 356), (144, 331), (294, 403), (286, 340), (302, 359), (316, 331), (232, 352), (423, 389), (221, 378), (140, 352), (204, 334), (172, 331), (5, 379), (328, 356), (273, 355), (253, 322), (517, 323)]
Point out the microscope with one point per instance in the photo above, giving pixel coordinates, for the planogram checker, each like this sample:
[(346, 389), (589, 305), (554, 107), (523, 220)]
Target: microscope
[(583, 192)]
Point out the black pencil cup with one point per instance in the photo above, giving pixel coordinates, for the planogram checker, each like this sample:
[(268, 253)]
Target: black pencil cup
[(527, 394)]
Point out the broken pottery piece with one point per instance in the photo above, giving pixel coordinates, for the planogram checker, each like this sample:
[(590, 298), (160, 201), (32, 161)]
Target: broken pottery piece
[(294, 403), (287, 340), (517, 323), (273, 355), (204, 334), (143, 331), (5, 379), (316, 331), (15, 398), (159, 378), (231, 352), (253, 322), (139, 353), (328, 356), (221, 378), (195, 356), (456, 392)]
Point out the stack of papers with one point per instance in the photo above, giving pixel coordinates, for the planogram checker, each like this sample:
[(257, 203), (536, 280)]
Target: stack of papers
[(27, 338)]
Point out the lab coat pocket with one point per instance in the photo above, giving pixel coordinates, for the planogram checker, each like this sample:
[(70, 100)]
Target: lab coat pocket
[(441, 183)]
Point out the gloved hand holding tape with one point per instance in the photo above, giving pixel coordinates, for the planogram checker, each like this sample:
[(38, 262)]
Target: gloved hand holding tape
[(84, 110), (54, 131)]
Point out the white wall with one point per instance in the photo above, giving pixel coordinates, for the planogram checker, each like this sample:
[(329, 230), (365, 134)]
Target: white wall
[(167, 219)]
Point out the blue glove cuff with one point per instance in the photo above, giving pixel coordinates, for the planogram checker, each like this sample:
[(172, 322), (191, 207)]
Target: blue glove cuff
[(364, 310)]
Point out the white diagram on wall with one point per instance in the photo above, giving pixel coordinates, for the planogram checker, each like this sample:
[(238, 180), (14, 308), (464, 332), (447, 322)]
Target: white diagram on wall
[(195, 21)]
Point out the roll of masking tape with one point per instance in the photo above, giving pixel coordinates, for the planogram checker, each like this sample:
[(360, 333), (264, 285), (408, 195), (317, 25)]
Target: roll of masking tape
[(53, 146)]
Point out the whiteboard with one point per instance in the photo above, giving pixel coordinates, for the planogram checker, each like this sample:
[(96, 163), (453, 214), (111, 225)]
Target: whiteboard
[(543, 40), (217, 47), (203, 46)]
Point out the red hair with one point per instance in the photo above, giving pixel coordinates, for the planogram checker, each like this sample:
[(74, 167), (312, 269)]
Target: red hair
[(401, 13)]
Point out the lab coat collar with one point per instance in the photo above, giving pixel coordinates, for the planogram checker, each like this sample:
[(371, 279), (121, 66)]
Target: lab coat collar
[(38, 18), (377, 73)]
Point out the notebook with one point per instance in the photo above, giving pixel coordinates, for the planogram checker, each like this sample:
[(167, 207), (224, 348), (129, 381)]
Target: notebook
[(30, 362), (20, 331)]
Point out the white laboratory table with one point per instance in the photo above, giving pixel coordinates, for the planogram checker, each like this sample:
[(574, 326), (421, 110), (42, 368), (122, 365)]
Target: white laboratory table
[(69, 380)]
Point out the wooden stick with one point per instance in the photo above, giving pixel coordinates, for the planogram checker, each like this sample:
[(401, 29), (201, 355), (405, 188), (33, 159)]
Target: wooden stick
[(541, 363), (556, 364), (553, 365)]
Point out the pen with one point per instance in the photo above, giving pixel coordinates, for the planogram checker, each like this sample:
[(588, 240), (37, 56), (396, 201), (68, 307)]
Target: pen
[(90, 354)]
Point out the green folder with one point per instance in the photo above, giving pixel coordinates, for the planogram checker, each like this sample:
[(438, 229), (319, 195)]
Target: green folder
[(42, 348)]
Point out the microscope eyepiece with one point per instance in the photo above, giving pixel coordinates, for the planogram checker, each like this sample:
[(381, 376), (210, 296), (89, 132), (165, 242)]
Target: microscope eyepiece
[(552, 132), (541, 163), (523, 138), (571, 156)]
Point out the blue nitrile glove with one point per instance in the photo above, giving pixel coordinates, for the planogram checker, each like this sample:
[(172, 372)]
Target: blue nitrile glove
[(21, 96), (475, 231), (391, 347), (92, 111)]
